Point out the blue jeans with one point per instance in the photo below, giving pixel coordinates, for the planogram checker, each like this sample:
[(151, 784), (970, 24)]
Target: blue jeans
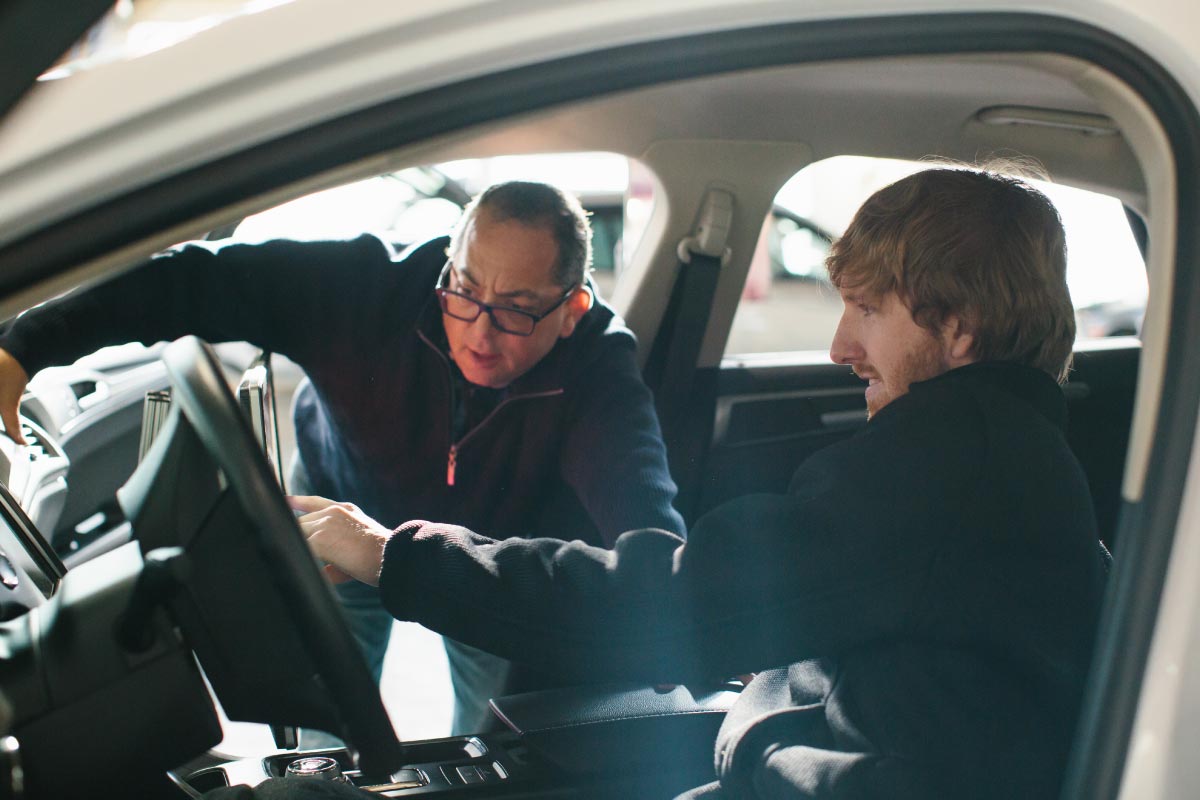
[(368, 621), (477, 676)]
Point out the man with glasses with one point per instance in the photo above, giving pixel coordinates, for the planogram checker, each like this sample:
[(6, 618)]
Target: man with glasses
[(478, 380)]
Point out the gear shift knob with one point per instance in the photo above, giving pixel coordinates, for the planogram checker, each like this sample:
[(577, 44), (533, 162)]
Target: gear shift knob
[(321, 768)]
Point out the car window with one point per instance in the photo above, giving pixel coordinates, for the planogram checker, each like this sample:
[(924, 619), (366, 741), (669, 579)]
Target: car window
[(613, 189), (788, 305), (413, 205), (394, 207)]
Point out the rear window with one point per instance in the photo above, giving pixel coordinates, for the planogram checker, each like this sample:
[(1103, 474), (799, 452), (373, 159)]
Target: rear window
[(788, 304)]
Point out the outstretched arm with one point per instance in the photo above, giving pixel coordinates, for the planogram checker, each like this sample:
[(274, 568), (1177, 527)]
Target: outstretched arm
[(282, 296), (764, 581)]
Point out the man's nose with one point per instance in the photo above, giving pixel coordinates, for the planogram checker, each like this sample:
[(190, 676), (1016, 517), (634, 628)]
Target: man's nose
[(845, 348), (483, 327)]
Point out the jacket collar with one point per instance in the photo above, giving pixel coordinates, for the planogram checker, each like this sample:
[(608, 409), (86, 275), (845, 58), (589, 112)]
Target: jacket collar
[(1029, 384)]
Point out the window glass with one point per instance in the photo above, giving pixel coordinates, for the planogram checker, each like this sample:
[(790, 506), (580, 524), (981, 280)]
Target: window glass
[(613, 189), (413, 205), (788, 304)]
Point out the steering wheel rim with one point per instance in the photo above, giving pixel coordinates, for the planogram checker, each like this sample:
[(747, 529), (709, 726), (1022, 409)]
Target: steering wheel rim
[(203, 396)]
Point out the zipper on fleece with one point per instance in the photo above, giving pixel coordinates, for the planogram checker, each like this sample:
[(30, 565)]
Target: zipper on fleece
[(452, 454)]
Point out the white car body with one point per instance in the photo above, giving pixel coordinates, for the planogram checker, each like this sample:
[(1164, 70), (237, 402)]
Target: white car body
[(76, 143)]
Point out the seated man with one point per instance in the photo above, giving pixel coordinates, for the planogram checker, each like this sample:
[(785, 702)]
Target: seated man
[(923, 600), (477, 381)]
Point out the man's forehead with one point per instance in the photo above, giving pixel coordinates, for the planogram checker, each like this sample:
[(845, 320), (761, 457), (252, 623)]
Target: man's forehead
[(509, 256), (505, 282)]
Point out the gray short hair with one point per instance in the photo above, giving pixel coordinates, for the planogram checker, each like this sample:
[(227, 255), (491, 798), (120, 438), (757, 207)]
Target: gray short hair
[(538, 204)]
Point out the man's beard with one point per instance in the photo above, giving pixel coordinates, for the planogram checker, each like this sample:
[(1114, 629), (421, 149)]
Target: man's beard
[(919, 365)]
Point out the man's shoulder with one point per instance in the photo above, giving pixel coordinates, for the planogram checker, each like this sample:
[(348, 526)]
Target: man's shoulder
[(419, 262), (430, 253), (365, 245), (380, 273)]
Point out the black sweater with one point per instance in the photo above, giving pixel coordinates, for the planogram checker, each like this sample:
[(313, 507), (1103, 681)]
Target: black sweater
[(933, 583)]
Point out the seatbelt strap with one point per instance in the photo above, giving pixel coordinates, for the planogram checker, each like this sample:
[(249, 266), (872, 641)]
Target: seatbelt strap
[(674, 368), (696, 285), (700, 257)]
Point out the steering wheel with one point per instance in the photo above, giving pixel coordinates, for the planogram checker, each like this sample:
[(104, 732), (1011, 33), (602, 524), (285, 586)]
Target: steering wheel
[(308, 647)]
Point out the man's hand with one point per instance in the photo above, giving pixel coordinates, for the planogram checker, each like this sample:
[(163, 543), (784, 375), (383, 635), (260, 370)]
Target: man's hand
[(13, 379), (342, 536)]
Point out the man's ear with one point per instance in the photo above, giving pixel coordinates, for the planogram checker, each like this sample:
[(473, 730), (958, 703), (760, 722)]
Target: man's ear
[(578, 305), (958, 343)]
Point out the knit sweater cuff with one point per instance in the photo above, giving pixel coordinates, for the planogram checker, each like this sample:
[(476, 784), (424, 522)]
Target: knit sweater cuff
[(392, 580)]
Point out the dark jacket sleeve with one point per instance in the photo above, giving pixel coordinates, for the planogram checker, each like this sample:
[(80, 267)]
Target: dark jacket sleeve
[(763, 581), (284, 296), (614, 457)]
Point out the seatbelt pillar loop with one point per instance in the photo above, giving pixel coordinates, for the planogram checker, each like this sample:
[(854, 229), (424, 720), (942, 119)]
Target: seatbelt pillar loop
[(710, 236)]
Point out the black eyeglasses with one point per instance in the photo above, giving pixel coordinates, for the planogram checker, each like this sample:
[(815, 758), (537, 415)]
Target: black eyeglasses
[(507, 320)]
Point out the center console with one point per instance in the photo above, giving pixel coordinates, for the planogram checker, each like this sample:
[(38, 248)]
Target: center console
[(632, 741)]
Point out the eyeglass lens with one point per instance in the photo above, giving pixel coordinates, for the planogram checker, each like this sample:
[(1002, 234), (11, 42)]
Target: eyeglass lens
[(506, 319)]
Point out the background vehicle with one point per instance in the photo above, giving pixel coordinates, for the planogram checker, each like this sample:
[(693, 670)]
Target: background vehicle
[(722, 103)]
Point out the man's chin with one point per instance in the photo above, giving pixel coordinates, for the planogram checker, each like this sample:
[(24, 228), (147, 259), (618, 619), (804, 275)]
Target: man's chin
[(877, 398), (492, 376), (490, 379)]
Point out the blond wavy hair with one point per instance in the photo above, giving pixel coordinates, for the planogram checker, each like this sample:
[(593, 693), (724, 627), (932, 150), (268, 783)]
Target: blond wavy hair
[(984, 246)]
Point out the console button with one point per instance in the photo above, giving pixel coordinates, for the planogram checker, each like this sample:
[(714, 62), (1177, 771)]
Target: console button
[(492, 773), (469, 775)]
